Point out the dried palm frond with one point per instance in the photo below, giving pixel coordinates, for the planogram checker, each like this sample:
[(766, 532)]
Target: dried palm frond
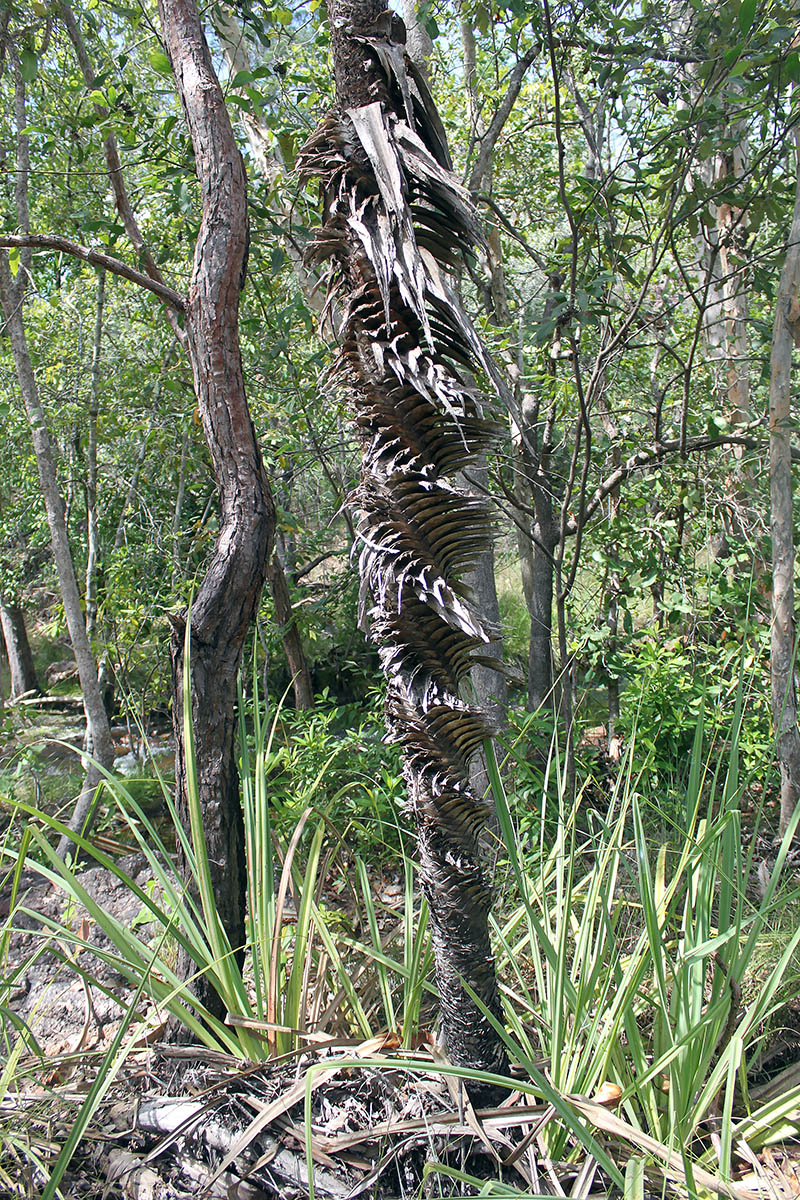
[(396, 220)]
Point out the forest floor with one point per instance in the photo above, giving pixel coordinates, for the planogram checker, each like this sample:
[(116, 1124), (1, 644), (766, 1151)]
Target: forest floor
[(183, 1121), (175, 1112)]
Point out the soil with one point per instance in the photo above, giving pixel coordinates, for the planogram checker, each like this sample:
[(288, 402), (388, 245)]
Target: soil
[(47, 992)]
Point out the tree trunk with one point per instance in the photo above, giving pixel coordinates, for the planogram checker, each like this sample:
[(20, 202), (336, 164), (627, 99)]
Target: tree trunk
[(489, 686), (92, 521), (18, 650), (422, 422), (290, 634), (786, 335), (228, 596), (540, 603), (12, 291)]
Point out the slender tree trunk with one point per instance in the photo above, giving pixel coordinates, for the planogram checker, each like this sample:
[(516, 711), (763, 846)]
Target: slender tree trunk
[(98, 730), (92, 521), (290, 634), (228, 596), (18, 650), (489, 686), (540, 607), (786, 335), (422, 422), (177, 514), (614, 579), (12, 291)]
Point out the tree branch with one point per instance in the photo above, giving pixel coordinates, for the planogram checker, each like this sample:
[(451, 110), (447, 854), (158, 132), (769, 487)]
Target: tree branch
[(124, 206), (489, 139), (652, 454), (486, 199), (46, 241)]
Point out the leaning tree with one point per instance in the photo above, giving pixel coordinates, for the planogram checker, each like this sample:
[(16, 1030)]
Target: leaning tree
[(396, 220)]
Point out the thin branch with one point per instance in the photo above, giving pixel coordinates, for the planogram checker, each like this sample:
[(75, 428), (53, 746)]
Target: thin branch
[(486, 199), (46, 241), (124, 206), (489, 139), (653, 454)]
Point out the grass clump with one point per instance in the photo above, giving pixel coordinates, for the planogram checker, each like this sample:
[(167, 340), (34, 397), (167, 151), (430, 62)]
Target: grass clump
[(638, 977)]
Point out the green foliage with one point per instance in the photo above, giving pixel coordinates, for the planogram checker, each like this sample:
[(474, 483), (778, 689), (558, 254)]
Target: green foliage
[(622, 963), (337, 753), (674, 687), (638, 976)]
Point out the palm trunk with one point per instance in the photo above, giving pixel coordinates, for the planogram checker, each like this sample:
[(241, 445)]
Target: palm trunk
[(422, 422)]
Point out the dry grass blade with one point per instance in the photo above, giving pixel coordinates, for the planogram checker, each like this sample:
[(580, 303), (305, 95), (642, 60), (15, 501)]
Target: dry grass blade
[(288, 1128), (546, 1115), (446, 1123), (582, 1186), (673, 1166)]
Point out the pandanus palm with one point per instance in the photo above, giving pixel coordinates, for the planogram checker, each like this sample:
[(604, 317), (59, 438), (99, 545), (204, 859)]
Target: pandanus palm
[(396, 220)]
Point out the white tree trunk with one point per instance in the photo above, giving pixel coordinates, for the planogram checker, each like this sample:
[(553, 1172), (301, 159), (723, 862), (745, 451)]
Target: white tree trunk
[(12, 291), (785, 336)]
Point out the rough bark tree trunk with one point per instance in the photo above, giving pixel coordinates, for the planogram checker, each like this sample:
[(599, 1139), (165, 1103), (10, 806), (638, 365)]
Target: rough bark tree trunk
[(228, 596), (422, 422), (786, 334), (18, 650)]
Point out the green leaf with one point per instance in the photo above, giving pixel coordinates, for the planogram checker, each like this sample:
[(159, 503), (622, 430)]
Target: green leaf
[(278, 259), (746, 15), (28, 66), (159, 62), (13, 260)]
